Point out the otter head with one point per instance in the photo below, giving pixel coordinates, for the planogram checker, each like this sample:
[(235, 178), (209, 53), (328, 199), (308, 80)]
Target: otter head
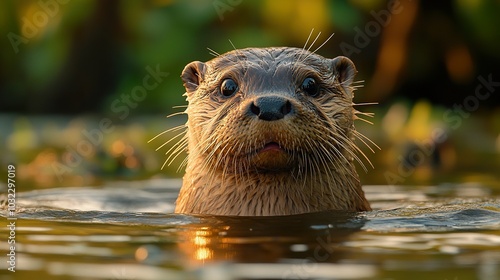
[(264, 116)]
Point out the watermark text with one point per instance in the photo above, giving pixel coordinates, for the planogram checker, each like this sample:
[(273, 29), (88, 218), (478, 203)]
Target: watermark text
[(11, 218)]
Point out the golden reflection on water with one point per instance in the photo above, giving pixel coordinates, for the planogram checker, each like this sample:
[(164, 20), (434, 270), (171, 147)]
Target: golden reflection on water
[(251, 239), (203, 254), (200, 240)]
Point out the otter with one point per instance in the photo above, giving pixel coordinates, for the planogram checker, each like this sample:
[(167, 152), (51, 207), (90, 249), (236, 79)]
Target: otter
[(270, 131)]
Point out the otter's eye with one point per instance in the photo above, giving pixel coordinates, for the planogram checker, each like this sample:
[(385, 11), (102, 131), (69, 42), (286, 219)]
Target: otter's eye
[(310, 86), (228, 87)]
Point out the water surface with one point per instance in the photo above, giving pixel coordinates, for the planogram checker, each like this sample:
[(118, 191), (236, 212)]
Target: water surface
[(126, 230)]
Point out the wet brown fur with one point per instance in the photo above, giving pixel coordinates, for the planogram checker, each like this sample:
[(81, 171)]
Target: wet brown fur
[(226, 176)]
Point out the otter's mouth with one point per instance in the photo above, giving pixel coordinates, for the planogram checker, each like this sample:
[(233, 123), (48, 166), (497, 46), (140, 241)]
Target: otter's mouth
[(271, 157), (271, 147)]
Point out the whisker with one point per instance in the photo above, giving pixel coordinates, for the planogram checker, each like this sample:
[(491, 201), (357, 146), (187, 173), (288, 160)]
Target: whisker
[(348, 142), (365, 157), (179, 127), (230, 42), (366, 121), (212, 52), (312, 44), (327, 39), (176, 149), (183, 164), (171, 139), (359, 134), (309, 37), (364, 104), (176, 114), (371, 115), (308, 49), (356, 149), (366, 144)]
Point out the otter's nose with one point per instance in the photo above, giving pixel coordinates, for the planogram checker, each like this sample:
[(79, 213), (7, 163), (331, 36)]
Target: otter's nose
[(270, 108)]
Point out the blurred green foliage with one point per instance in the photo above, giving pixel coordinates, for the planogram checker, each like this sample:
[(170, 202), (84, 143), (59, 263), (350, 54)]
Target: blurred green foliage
[(79, 56)]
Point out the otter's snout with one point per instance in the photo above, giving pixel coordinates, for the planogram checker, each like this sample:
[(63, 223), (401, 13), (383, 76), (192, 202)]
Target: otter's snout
[(270, 108)]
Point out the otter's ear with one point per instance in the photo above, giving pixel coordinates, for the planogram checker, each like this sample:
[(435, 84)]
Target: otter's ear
[(193, 75), (345, 70)]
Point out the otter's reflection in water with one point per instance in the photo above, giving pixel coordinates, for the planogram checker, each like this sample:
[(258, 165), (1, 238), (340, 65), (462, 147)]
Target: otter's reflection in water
[(314, 237)]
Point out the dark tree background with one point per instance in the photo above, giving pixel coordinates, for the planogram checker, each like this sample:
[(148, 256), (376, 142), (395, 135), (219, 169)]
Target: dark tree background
[(77, 57)]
